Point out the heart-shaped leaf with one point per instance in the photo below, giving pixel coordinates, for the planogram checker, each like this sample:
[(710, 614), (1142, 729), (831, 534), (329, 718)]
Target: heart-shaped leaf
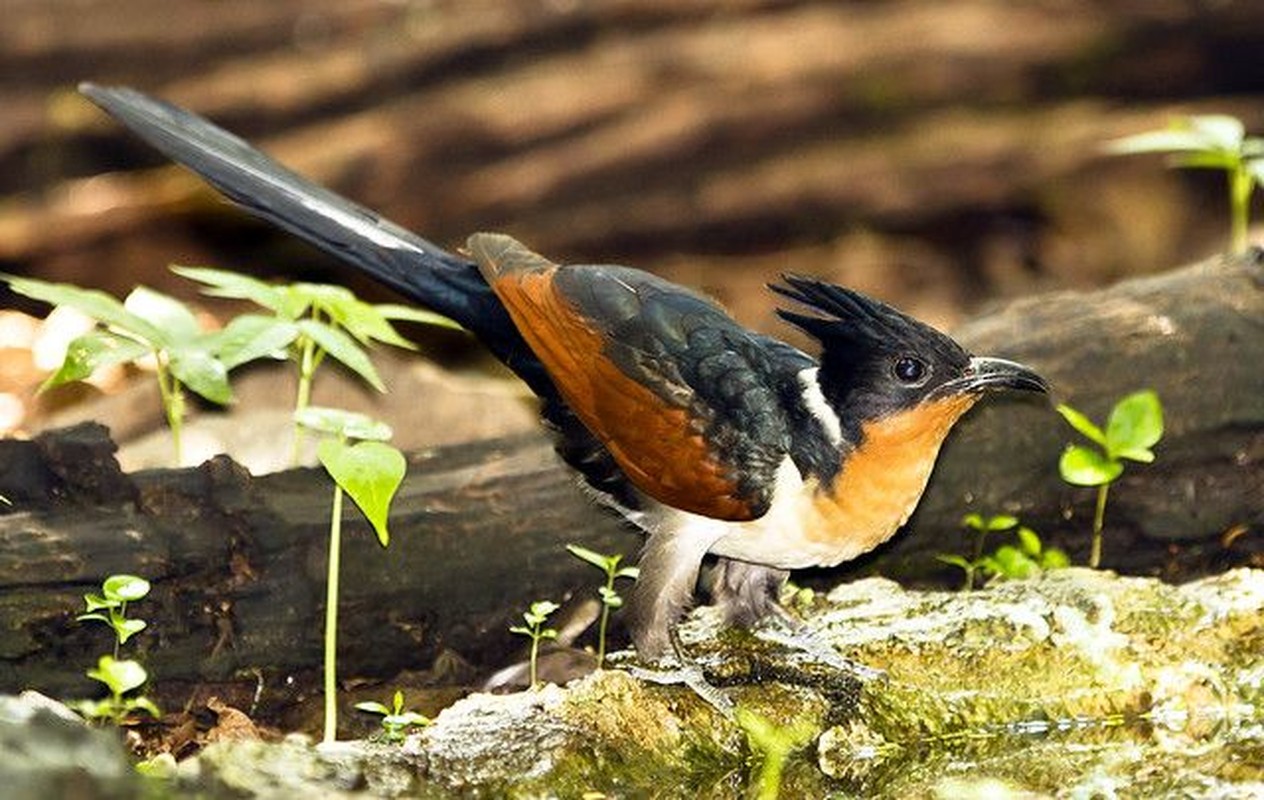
[(125, 588), (1135, 425), (1083, 466), (127, 628), (370, 473), (119, 676)]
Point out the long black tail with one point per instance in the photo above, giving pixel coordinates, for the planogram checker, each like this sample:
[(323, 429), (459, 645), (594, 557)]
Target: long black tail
[(425, 273)]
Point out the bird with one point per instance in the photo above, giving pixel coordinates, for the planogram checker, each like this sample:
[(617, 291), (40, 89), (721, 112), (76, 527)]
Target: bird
[(712, 439)]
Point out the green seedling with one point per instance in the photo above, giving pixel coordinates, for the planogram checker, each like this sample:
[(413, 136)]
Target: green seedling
[(775, 743), (1134, 426), (151, 324), (396, 720), (535, 618), (1210, 141), (120, 678), (1028, 559), (610, 599), (314, 321), (370, 472), (110, 607)]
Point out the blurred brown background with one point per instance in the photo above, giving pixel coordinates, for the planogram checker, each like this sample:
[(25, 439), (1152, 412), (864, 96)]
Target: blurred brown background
[(938, 154)]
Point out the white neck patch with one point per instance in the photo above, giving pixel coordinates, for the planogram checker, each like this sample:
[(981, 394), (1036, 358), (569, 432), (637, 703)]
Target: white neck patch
[(817, 405)]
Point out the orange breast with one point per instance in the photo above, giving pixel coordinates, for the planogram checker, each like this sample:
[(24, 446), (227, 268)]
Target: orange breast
[(882, 481)]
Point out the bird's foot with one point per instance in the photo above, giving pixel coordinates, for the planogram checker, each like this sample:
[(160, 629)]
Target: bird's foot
[(676, 668)]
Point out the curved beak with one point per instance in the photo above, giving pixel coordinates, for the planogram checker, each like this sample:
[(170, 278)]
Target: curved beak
[(995, 374)]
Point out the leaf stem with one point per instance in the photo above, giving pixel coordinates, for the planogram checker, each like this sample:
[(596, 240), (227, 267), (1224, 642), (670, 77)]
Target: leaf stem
[(605, 619), (331, 617), (535, 651), (1240, 185), (172, 404), (306, 368), (1099, 516)]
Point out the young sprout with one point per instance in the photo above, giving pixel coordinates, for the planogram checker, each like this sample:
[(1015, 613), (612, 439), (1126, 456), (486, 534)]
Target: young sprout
[(396, 720), (370, 472), (1029, 558), (535, 618), (1212, 141), (149, 323), (313, 320), (610, 599), (1134, 426), (116, 592), (118, 676)]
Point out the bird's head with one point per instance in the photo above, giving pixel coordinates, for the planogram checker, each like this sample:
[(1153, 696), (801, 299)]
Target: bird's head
[(877, 361)]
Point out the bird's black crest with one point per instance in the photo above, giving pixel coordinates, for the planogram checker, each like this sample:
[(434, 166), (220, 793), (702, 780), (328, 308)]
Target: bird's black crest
[(847, 316)]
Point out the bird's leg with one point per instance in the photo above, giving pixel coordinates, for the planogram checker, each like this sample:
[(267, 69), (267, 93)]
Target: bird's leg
[(747, 593), (664, 589), (750, 595), (669, 566)]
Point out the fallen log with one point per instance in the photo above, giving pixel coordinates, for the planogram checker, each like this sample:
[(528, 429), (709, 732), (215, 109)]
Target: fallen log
[(238, 561)]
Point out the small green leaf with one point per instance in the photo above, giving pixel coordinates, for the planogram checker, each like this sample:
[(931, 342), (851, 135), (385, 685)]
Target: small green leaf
[(370, 473), (974, 521), (202, 372), (609, 597), (955, 560), (1135, 425), (409, 314), (1001, 522), (338, 422), (603, 563), (1082, 424), (175, 322), (127, 628), (1163, 141), (342, 348), (96, 601), (1083, 466), (224, 283), (1029, 541), (1054, 558), (366, 323), (373, 707), (88, 353), (1013, 563), (98, 305), (119, 676), (629, 572), (95, 616), (146, 705), (125, 588), (252, 336), (1218, 130)]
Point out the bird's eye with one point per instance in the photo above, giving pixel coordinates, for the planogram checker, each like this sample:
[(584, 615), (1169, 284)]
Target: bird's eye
[(909, 370)]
